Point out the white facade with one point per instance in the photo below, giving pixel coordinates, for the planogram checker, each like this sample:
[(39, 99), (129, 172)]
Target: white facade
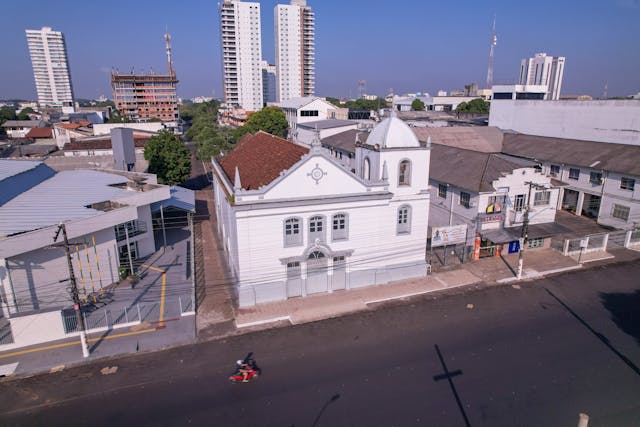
[(543, 70), (304, 110), (449, 204), (372, 223), (295, 51), (601, 121), (502, 92), (241, 54), (50, 68), (612, 198)]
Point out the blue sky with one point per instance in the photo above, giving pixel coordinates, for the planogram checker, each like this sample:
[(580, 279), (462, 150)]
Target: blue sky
[(417, 45)]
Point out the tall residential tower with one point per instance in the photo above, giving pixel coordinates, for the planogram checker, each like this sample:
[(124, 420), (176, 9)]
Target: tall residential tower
[(241, 54), (295, 52), (50, 68), (543, 70)]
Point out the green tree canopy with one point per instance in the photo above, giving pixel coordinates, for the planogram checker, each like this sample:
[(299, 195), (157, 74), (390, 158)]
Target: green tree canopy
[(168, 158), (417, 105), (270, 119), (24, 114), (477, 105)]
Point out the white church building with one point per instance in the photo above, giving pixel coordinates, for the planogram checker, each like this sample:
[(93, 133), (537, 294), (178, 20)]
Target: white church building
[(295, 222)]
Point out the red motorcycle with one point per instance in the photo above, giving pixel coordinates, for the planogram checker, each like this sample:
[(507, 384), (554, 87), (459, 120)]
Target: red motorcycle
[(249, 365)]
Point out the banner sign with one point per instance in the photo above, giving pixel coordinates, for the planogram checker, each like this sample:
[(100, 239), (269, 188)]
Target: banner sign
[(448, 235)]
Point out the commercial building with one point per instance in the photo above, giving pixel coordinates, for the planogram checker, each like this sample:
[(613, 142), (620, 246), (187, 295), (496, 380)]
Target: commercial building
[(478, 189), (601, 181), (295, 222), (543, 70), (51, 69), (614, 121), (307, 109), (295, 50), (241, 54), (107, 216)]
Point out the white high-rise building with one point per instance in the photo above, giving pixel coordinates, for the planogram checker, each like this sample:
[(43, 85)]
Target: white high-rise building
[(241, 54), (295, 51), (50, 68), (543, 70)]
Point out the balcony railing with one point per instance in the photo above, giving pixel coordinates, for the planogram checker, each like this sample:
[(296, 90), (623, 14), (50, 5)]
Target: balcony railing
[(133, 228)]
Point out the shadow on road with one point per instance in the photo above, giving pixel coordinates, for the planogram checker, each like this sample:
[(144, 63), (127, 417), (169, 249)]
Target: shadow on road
[(326, 405), (625, 311), (448, 375)]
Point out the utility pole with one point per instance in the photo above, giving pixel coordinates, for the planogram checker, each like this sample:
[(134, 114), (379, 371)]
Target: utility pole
[(524, 235), (74, 290)]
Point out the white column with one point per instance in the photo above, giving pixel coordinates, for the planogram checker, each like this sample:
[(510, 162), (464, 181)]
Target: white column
[(579, 203)]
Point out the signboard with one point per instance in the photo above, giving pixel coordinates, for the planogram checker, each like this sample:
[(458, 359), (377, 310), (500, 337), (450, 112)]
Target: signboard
[(448, 235), (514, 246)]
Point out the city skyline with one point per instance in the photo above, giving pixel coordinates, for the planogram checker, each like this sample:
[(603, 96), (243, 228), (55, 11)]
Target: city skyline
[(408, 46)]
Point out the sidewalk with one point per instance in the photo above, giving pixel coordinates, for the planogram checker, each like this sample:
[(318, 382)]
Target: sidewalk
[(493, 271)]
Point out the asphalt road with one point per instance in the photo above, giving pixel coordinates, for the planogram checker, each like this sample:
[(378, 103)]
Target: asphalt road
[(534, 356)]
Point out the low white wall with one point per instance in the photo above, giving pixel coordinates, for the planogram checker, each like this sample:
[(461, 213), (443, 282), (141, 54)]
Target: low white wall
[(35, 329)]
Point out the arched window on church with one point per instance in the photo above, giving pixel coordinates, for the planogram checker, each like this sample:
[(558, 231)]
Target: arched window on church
[(404, 173), (366, 172)]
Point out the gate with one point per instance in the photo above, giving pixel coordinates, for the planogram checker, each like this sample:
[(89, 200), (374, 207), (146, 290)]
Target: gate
[(339, 278), (294, 280), (317, 277)]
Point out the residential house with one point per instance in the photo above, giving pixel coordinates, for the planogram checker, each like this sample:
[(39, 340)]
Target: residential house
[(17, 129), (306, 109)]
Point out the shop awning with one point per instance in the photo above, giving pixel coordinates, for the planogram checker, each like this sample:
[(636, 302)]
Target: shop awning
[(537, 231), (498, 236)]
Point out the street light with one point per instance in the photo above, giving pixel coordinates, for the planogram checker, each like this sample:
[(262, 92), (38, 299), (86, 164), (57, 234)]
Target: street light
[(524, 235)]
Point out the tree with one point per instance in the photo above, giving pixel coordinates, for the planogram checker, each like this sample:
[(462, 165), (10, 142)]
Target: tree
[(477, 105), (417, 105), (270, 119), (24, 114), (168, 158), (6, 113), (211, 141)]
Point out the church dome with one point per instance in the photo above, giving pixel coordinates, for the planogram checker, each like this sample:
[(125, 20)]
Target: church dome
[(393, 133)]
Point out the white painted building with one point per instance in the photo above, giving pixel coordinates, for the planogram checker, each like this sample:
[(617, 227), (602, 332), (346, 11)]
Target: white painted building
[(309, 131), (17, 129), (50, 68), (241, 54), (600, 180), (472, 183), (512, 92), (601, 121), (107, 215), (306, 109), (105, 128), (295, 50), (304, 224), (543, 70)]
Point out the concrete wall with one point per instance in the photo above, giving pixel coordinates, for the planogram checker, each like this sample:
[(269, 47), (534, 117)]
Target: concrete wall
[(603, 121), (306, 135), (35, 276), (105, 128)]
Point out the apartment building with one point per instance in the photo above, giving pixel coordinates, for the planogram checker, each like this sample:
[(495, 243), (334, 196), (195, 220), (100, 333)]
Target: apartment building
[(295, 51), (241, 54), (51, 69), (142, 97), (543, 70)]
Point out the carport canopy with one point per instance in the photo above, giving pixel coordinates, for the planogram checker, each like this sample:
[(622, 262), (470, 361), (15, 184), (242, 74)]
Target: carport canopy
[(181, 199)]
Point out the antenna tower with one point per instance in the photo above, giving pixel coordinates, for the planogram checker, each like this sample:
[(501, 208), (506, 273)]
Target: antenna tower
[(362, 84), (494, 39), (167, 39)]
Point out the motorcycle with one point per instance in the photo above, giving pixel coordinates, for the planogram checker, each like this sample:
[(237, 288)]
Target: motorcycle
[(252, 375)]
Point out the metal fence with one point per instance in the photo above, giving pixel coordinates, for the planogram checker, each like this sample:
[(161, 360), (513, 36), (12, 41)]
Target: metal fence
[(601, 242), (101, 319)]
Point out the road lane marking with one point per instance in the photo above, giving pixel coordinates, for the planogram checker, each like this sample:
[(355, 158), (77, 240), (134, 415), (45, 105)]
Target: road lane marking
[(67, 344), (163, 291)]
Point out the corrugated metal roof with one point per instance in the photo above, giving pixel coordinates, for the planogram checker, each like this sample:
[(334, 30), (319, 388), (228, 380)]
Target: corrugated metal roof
[(62, 197), (621, 158), (23, 124), (487, 139), (9, 168), (298, 102), (181, 198)]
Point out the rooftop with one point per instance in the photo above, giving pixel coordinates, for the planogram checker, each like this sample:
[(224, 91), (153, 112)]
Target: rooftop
[(346, 140), (478, 138), (23, 124), (621, 158), (471, 170), (327, 124), (295, 103), (65, 196), (260, 159), (39, 133), (9, 168)]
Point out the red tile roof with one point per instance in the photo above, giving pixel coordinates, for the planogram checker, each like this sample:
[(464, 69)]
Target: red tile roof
[(260, 158), (102, 144), (39, 133)]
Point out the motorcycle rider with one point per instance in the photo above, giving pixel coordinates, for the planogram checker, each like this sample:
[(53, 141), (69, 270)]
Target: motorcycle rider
[(245, 369)]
